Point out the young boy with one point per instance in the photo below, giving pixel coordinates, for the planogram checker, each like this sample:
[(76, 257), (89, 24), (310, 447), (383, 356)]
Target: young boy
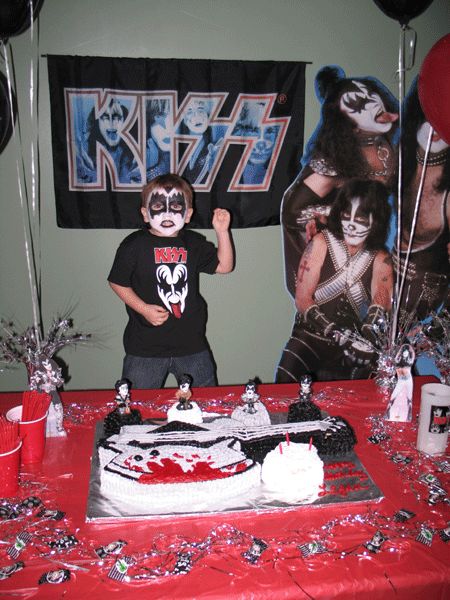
[(156, 272)]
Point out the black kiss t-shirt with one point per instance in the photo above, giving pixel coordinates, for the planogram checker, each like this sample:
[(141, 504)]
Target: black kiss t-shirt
[(165, 271)]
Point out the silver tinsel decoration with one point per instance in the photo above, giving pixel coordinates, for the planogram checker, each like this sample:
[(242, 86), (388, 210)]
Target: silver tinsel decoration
[(31, 348), (35, 350), (433, 340)]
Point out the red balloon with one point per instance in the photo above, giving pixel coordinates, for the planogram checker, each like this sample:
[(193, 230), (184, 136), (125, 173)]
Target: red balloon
[(434, 87)]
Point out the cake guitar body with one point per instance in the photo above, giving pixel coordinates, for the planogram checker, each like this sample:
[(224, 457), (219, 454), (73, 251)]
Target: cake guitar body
[(164, 476)]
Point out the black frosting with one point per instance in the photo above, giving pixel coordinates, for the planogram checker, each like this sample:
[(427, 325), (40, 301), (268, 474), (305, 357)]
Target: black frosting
[(339, 439), (303, 411), (115, 420)]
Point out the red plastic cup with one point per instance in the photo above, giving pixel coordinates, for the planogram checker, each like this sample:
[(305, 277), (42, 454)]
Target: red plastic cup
[(9, 468), (32, 434)]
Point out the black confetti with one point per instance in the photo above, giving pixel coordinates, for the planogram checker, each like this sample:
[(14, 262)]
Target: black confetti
[(425, 536), (20, 543), (64, 543), (183, 564), (57, 576), (403, 515), (120, 568), (110, 549), (311, 548), (6, 572), (376, 542), (254, 552)]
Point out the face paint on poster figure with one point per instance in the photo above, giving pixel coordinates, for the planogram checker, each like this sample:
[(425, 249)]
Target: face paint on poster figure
[(367, 110), (356, 226), (111, 124), (437, 143)]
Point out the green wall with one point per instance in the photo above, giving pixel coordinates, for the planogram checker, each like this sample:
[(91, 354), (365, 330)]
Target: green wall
[(250, 314)]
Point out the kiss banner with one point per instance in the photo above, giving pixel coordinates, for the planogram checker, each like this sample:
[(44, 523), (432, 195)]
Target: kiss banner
[(233, 129)]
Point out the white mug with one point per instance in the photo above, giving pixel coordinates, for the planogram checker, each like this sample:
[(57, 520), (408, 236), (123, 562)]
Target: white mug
[(434, 418)]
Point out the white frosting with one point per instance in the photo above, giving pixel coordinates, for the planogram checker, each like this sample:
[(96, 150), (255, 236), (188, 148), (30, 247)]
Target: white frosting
[(251, 419), (192, 415), (293, 473), (174, 478)]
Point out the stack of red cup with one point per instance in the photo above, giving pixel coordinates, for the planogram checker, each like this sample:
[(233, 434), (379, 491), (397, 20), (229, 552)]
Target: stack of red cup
[(10, 444)]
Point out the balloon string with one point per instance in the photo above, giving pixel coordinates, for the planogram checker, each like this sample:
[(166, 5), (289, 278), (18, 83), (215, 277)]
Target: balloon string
[(400, 279), (401, 82), (23, 196), (34, 148), (416, 212)]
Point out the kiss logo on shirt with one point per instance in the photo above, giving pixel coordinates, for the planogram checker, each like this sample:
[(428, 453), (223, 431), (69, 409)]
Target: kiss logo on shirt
[(172, 278)]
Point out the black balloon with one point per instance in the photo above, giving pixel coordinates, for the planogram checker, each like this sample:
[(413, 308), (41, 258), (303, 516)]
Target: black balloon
[(7, 114), (15, 16), (403, 10)]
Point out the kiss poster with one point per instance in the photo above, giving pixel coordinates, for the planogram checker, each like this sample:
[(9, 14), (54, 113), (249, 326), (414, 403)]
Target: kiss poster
[(233, 129)]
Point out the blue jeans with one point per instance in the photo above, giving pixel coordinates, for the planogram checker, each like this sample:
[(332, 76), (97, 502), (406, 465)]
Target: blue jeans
[(152, 372)]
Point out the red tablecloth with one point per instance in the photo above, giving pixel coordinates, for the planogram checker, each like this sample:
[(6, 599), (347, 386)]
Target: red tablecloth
[(405, 568)]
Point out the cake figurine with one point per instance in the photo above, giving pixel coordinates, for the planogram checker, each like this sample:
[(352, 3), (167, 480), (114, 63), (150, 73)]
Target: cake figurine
[(184, 392), (123, 396), (305, 391), (304, 409), (400, 404), (184, 410), (122, 414), (253, 412), (250, 397), (293, 473)]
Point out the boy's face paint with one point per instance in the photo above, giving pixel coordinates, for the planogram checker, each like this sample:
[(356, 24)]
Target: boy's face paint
[(167, 212)]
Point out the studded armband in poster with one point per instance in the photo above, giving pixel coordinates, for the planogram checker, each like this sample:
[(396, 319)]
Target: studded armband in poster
[(376, 315), (316, 320)]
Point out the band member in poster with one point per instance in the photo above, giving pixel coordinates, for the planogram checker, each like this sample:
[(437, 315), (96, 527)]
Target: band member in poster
[(428, 270), (250, 124), (159, 138), (345, 282), (106, 129), (353, 139), (196, 123)]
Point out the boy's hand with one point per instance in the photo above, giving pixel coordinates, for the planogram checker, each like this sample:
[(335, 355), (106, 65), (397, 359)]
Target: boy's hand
[(154, 314), (221, 219)]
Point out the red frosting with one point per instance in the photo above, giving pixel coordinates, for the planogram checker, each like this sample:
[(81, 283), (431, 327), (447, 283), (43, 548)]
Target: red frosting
[(171, 472)]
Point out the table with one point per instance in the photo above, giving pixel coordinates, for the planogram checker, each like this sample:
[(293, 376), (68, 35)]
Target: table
[(404, 568)]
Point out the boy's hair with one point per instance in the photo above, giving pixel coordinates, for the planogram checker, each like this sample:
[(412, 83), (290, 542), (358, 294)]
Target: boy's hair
[(168, 181)]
